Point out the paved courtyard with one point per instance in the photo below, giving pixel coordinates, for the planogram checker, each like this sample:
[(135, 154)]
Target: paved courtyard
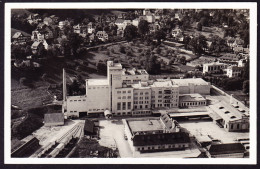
[(112, 135)]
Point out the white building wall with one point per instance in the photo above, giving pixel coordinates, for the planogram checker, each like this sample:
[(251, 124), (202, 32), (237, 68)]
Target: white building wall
[(74, 105), (97, 98)]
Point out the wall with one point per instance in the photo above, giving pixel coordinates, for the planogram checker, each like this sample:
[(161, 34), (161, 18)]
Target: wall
[(97, 98)]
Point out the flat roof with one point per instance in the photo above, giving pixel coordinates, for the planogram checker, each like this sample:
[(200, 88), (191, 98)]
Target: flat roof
[(163, 83), (145, 125), (213, 63), (191, 97), (185, 82), (97, 82)]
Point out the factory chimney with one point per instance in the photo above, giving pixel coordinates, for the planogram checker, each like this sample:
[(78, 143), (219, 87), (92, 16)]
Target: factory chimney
[(64, 86)]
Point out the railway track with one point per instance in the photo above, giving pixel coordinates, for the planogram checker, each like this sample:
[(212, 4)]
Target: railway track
[(62, 146)]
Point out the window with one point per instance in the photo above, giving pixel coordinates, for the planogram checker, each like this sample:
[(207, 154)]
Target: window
[(129, 91), (135, 93), (128, 97), (140, 102), (135, 98), (118, 92), (146, 106), (160, 92), (124, 105), (146, 98), (141, 98), (146, 93), (124, 91), (129, 105), (141, 93), (119, 97), (124, 97), (141, 106), (160, 96), (118, 106), (84, 100)]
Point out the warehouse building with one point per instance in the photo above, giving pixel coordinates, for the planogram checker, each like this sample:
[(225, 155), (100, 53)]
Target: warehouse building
[(230, 117), (155, 134)]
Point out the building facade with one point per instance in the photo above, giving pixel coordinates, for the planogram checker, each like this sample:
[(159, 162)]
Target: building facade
[(155, 134), (129, 92)]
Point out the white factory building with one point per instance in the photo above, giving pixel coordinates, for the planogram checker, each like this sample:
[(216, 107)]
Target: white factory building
[(130, 92)]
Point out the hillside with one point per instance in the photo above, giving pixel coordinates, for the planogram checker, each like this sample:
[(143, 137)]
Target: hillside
[(20, 12)]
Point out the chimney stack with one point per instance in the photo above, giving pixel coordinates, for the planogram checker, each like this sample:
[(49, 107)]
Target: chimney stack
[(64, 86)]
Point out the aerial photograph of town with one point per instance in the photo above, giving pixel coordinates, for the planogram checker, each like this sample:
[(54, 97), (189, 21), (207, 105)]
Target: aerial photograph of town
[(130, 83)]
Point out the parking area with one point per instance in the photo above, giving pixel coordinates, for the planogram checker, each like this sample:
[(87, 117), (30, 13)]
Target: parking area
[(112, 135), (210, 128)]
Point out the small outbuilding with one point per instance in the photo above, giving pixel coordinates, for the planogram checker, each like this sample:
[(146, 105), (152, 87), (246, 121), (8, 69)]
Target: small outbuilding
[(89, 128), (53, 119)]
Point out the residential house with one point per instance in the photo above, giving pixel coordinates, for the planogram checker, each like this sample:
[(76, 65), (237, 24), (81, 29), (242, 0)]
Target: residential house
[(62, 24), (80, 29), (126, 23), (102, 35), (241, 62), (34, 19), (229, 58), (227, 150), (146, 12), (91, 28), (135, 22), (46, 32), (120, 24), (150, 18), (37, 45), (176, 31), (20, 38), (234, 71), (214, 67)]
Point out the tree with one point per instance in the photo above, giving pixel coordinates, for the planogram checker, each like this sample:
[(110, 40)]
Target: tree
[(198, 44), (246, 86), (143, 28), (74, 41), (199, 27), (246, 68), (152, 65), (159, 35), (130, 32)]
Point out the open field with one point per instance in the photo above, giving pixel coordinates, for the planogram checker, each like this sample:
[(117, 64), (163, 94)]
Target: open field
[(206, 31)]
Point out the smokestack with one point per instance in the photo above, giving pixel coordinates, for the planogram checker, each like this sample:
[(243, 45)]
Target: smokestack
[(231, 99), (64, 86)]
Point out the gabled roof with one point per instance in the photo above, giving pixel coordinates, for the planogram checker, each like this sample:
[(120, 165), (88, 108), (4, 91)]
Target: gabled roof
[(18, 34), (53, 118), (89, 126), (119, 21), (230, 148), (36, 43)]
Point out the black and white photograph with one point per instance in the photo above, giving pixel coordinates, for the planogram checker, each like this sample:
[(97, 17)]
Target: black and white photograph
[(130, 83)]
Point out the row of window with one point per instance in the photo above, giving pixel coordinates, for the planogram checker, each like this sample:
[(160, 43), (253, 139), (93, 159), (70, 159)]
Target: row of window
[(141, 93), (141, 102), (161, 147), (141, 98), (142, 112), (98, 87), (141, 106), (193, 103), (97, 109), (123, 107), (78, 100), (123, 113), (119, 92), (124, 97)]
